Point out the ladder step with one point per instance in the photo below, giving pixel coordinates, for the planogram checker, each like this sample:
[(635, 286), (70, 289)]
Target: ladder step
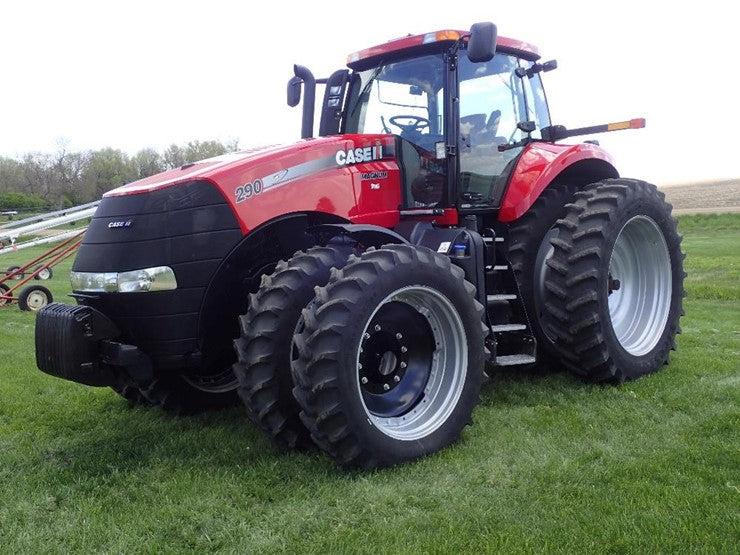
[(508, 327), (514, 360), (501, 297)]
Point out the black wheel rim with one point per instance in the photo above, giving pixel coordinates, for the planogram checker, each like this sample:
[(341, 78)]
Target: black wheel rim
[(419, 327), (395, 359)]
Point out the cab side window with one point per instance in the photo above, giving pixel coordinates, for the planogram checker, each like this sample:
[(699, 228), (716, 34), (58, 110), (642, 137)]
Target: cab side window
[(491, 106)]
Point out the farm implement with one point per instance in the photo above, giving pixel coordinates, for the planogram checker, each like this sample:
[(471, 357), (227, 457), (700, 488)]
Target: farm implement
[(32, 232)]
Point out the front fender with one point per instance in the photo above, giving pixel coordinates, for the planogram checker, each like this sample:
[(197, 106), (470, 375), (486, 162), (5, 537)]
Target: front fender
[(541, 163), (367, 235)]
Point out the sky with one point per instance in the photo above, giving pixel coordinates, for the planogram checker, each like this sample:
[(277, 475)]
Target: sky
[(136, 74)]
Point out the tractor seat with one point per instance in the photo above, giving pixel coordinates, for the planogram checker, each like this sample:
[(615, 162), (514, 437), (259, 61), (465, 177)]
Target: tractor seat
[(471, 126), (487, 133)]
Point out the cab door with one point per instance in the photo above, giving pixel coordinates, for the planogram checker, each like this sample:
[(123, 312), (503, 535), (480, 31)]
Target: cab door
[(492, 104)]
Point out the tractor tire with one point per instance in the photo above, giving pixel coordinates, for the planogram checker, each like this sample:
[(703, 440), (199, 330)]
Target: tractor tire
[(3, 291), (42, 272), (267, 329), (615, 282), (528, 251), (34, 298), (16, 277), (390, 360)]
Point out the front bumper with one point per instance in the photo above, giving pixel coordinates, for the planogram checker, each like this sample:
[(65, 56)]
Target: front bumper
[(77, 343)]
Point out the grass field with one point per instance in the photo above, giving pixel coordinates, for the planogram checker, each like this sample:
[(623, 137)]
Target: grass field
[(551, 464)]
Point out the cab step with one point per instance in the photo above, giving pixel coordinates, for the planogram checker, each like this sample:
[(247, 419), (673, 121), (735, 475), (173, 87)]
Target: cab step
[(500, 297), (514, 360), (499, 328)]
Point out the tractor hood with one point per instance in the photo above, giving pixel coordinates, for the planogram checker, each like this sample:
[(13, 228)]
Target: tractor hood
[(350, 176), (289, 162)]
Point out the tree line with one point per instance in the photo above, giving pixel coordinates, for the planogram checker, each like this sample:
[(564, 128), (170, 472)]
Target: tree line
[(65, 178)]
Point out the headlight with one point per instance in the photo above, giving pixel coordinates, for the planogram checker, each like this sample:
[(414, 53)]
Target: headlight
[(161, 278)]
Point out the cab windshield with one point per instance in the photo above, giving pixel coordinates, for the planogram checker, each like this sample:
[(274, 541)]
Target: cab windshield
[(404, 98)]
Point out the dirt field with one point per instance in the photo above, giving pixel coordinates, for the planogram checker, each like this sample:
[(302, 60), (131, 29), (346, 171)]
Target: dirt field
[(704, 197)]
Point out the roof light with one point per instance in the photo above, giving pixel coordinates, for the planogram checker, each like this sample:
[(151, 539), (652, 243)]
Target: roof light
[(447, 35)]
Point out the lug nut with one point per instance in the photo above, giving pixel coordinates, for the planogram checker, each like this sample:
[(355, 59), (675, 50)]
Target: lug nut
[(399, 336), (396, 379), (386, 387), (359, 366), (403, 365), (404, 349), (377, 327), (363, 380), (366, 336)]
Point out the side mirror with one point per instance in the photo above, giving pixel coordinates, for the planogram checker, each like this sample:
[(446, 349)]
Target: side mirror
[(482, 42), (294, 91), (549, 66)]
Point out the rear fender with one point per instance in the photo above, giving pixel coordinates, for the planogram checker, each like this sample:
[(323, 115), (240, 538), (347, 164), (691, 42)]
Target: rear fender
[(542, 163)]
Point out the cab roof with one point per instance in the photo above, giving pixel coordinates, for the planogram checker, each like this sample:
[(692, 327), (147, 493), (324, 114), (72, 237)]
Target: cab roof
[(369, 56)]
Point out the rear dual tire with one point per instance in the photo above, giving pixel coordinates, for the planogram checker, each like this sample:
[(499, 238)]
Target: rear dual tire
[(528, 251), (614, 285)]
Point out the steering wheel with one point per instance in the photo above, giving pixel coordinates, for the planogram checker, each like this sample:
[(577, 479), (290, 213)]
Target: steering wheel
[(415, 123)]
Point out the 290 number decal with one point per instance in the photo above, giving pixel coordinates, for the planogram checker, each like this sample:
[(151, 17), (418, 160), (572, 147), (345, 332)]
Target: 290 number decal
[(248, 190)]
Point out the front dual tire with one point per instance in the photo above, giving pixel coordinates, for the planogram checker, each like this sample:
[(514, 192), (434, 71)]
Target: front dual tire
[(388, 361)]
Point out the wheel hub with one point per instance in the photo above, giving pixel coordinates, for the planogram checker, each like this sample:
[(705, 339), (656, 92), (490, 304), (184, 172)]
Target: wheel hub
[(36, 300), (395, 357)]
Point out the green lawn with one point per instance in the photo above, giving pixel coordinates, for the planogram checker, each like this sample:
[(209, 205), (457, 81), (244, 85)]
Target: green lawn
[(551, 464)]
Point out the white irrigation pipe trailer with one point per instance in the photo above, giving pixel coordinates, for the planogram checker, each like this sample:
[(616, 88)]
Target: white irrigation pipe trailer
[(35, 297), (12, 231)]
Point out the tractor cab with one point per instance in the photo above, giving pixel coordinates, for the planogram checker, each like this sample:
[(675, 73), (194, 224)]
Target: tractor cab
[(460, 123)]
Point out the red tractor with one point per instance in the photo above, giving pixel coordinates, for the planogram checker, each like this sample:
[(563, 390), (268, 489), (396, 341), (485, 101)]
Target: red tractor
[(368, 275)]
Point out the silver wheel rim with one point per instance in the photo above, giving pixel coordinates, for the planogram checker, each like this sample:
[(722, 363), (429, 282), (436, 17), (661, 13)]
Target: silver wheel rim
[(446, 371), (37, 300), (43, 274), (544, 253), (639, 305)]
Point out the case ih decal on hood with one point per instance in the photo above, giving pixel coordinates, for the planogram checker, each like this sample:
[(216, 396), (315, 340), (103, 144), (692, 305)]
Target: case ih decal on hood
[(343, 157)]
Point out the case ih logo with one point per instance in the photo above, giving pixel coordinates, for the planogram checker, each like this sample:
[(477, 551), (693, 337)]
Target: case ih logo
[(114, 225), (357, 155)]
